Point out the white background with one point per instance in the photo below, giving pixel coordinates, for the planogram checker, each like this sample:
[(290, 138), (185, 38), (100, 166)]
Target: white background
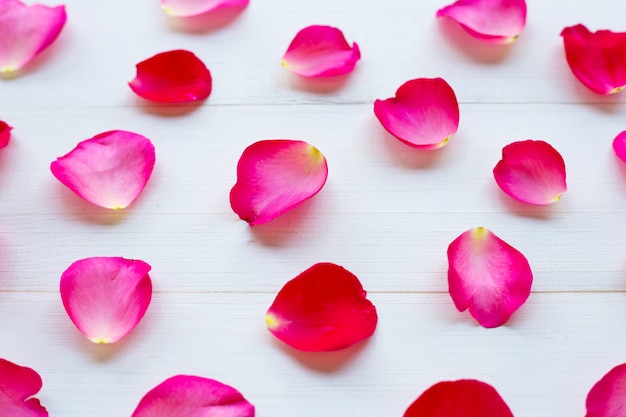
[(387, 212)]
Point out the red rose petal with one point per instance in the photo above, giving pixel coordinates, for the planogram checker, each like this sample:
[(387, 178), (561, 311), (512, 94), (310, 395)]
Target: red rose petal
[(462, 398), (320, 51), (106, 297), (193, 396), (5, 134), (606, 397), (17, 385), (172, 77), (189, 8), (423, 114), (597, 59), (488, 276), (531, 171), (323, 309)]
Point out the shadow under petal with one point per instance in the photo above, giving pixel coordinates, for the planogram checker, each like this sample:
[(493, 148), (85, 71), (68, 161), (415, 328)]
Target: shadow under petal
[(318, 85), (167, 109), (205, 23), (526, 210), (407, 156), (284, 228), (473, 48)]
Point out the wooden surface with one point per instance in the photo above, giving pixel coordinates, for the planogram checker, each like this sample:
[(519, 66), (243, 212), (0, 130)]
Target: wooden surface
[(387, 212)]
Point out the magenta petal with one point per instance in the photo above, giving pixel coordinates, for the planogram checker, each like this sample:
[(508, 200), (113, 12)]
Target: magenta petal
[(172, 77), (606, 397), (5, 134), (274, 176), (597, 59), (106, 297), (189, 8), (496, 21), (320, 51), (108, 170), (17, 385), (193, 396), (423, 114), (25, 31), (531, 171), (488, 276), (619, 146)]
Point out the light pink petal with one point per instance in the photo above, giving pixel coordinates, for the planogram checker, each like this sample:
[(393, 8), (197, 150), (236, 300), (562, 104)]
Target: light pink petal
[(619, 146), (531, 171), (109, 170), (607, 397), (496, 21), (172, 77), (189, 8), (323, 309), (487, 276), (25, 31), (423, 114), (193, 396), (274, 176), (5, 134), (462, 398), (106, 297), (17, 385), (597, 59), (321, 51)]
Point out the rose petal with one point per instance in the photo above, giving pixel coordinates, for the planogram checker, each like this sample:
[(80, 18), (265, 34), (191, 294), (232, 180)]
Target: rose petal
[(462, 398), (172, 77), (423, 114), (193, 396), (17, 385), (619, 146), (323, 309), (606, 397), (25, 31), (495, 21), (108, 170), (189, 8), (274, 176), (531, 171), (321, 51), (488, 276), (5, 134), (105, 297), (597, 59)]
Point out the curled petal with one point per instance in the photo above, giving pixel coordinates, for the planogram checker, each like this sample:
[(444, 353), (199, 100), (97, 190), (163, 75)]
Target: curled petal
[(496, 21), (321, 51), (172, 77), (597, 59), (423, 114), (619, 146), (488, 276), (17, 385), (105, 297), (606, 397), (5, 134), (462, 398), (189, 8), (108, 170), (531, 171), (193, 396), (323, 309), (274, 176), (25, 31)]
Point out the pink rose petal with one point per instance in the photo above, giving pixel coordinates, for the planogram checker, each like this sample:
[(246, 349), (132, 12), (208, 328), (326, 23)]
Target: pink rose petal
[(106, 297), (274, 176), (5, 134), (619, 146), (606, 397), (172, 77), (17, 385), (323, 309), (495, 21), (321, 51), (108, 170), (531, 171), (597, 59), (193, 396), (423, 114), (189, 8), (487, 276), (462, 398), (25, 31)]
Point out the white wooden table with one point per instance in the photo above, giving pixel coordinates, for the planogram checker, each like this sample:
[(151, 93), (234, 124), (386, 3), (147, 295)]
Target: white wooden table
[(387, 212)]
